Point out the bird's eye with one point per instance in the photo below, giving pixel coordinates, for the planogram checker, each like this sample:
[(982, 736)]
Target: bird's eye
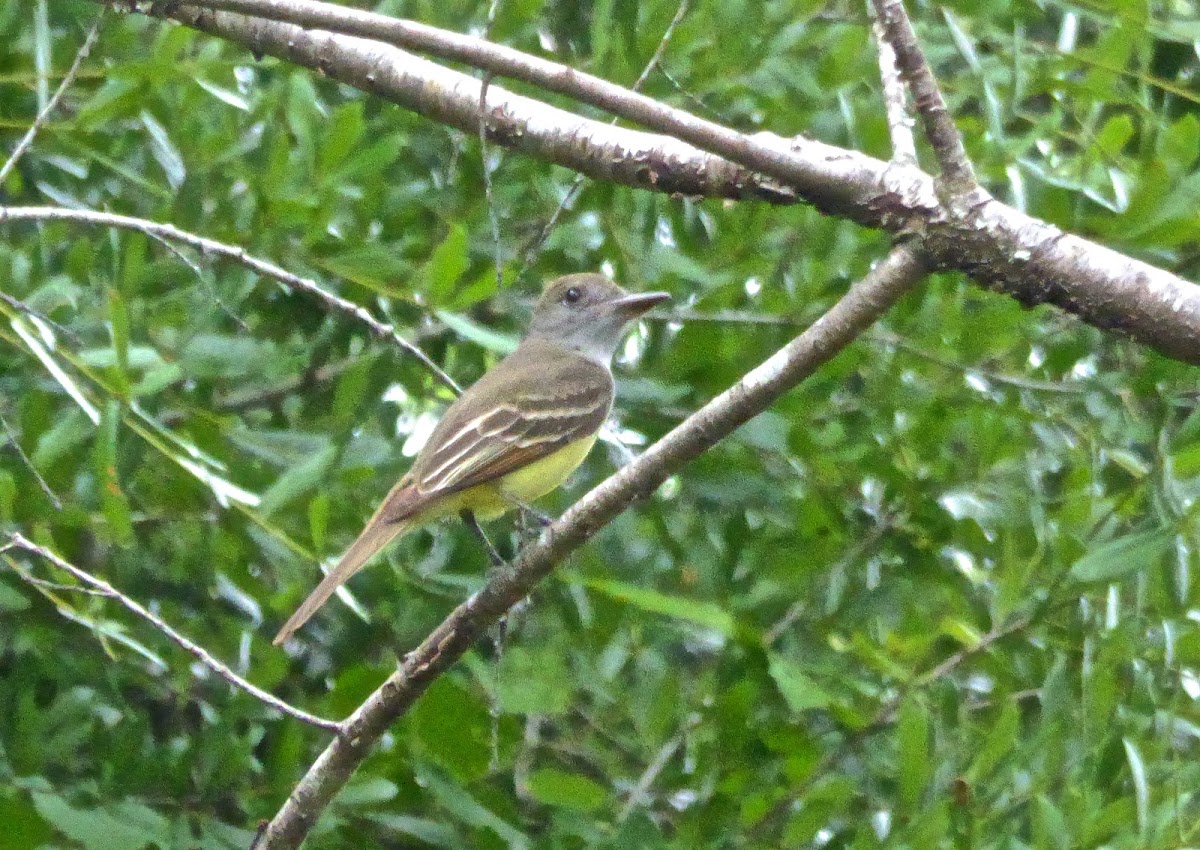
[(572, 295)]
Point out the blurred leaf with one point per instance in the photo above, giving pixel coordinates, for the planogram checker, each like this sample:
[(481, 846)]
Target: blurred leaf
[(476, 333), (799, 691), (912, 750), (553, 787), (366, 792), (165, 151), (533, 681), (377, 267), (446, 265), (1123, 556), (431, 832), (126, 825), (300, 480), (113, 503), (704, 614), (12, 600)]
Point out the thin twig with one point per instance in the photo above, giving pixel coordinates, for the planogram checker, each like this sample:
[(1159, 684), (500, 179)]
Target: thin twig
[(52, 104), (534, 248), (661, 50), (637, 796), (957, 178), (236, 253), (200, 653), (891, 340), (22, 307), (895, 100), (12, 438), (489, 196), (886, 283)]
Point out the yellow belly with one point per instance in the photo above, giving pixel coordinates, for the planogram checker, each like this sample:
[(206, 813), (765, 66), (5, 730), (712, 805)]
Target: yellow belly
[(521, 486)]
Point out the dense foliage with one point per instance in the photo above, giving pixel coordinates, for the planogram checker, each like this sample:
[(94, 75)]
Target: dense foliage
[(783, 646)]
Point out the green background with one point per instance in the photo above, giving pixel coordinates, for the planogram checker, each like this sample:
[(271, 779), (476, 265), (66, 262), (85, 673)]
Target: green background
[(781, 648)]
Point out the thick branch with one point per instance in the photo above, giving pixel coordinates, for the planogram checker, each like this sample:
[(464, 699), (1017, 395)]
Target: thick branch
[(956, 173), (629, 157), (200, 653), (756, 391), (1000, 247)]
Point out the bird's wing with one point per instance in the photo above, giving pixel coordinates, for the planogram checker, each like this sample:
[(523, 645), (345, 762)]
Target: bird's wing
[(525, 428)]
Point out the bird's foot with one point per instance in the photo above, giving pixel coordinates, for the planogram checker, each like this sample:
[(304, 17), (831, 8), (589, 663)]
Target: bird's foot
[(493, 554), (533, 521)]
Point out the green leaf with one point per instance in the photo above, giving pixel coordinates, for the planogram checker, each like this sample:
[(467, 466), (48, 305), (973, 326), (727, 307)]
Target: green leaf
[(8, 495), (223, 94), (368, 791), (446, 265), (557, 788), (432, 832), (465, 808), (351, 390), (218, 356), (299, 480), (113, 503), (1116, 559), (129, 826), (706, 614), (1000, 739), (1141, 788), (118, 323), (23, 826), (380, 268), (912, 749), (1050, 828), (12, 599), (318, 520), (501, 343), (799, 691), (1115, 134), (164, 150), (533, 681)]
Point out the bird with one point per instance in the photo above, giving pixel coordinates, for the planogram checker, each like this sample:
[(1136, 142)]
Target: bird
[(514, 435)]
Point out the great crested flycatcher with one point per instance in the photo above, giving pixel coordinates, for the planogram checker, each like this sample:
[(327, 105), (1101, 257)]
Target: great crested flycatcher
[(514, 435)]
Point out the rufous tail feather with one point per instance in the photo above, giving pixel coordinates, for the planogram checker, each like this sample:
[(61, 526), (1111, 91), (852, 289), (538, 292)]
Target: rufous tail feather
[(389, 521)]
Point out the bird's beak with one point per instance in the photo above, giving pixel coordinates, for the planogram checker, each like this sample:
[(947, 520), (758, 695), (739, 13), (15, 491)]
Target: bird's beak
[(635, 304)]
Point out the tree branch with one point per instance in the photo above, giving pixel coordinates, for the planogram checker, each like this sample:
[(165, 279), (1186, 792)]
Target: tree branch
[(105, 589), (957, 178), (619, 155), (170, 233), (52, 104), (756, 391), (1000, 247), (37, 476), (895, 100)]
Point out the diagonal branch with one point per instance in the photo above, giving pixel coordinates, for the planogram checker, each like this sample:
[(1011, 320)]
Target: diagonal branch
[(755, 392), (52, 104), (171, 234), (999, 246), (105, 589), (7, 431), (957, 179), (895, 100)]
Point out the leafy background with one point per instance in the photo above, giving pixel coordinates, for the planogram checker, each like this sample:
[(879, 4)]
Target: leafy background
[(940, 595)]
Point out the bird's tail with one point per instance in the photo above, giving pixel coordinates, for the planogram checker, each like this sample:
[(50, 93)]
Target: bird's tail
[(394, 517)]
